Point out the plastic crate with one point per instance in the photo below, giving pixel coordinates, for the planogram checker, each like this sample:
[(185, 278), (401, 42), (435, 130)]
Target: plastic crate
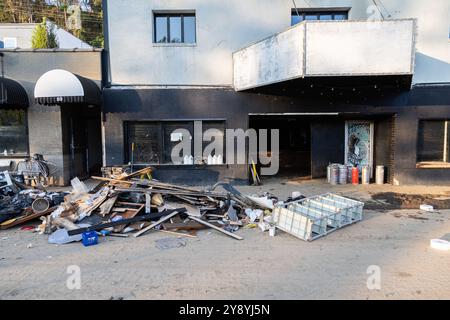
[(89, 238)]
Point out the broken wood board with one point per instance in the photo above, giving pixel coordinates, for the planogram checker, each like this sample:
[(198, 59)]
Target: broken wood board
[(107, 206), (230, 234), (22, 219), (130, 213), (179, 234), (163, 219)]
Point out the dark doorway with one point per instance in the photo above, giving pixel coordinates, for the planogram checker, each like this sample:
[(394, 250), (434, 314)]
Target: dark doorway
[(295, 142), (309, 143), (82, 140)]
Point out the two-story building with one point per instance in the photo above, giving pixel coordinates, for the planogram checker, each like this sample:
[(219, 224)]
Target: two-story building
[(345, 81)]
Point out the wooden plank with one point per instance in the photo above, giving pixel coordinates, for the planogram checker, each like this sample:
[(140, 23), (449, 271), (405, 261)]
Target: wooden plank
[(131, 213), (14, 222), (106, 207), (137, 173), (179, 234), (163, 219), (235, 236), (191, 225)]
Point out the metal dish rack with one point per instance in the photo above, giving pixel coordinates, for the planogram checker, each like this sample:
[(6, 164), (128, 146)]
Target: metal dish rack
[(315, 217)]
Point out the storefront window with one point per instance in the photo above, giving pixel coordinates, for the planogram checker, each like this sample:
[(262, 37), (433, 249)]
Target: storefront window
[(13, 133), (433, 141), (152, 142)]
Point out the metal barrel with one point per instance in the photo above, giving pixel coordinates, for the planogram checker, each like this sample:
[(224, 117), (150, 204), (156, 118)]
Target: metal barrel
[(379, 175), (343, 174), (365, 175), (334, 174), (349, 173)]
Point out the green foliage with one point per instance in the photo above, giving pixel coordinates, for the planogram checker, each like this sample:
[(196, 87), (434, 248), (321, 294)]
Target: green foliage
[(44, 36)]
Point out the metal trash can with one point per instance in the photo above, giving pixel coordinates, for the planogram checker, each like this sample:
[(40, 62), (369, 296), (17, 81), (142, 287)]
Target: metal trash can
[(379, 175), (365, 175), (334, 174)]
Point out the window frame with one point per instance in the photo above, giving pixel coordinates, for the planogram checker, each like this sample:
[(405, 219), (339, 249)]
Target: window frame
[(318, 12), (161, 143), (178, 14), (26, 138), (435, 164)]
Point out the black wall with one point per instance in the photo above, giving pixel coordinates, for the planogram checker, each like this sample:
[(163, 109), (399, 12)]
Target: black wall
[(431, 102)]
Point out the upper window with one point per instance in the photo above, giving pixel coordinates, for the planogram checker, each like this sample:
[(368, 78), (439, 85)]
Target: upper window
[(174, 28), (433, 141), (299, 15)]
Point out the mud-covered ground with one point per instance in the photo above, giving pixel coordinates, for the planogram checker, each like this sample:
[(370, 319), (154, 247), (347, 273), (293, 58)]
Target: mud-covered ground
[(386, 256)]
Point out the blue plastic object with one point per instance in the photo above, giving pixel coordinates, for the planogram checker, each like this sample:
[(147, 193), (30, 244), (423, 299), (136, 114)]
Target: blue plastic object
[(89, 238)]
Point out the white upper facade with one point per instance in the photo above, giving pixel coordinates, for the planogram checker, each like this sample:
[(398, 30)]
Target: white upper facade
[(225, 27)]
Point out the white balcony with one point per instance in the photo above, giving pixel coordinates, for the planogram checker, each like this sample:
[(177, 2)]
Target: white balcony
[(328, 49)]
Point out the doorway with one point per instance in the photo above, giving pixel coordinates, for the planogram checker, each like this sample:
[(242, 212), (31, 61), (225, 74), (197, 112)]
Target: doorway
[(294, 145), (82, 140)]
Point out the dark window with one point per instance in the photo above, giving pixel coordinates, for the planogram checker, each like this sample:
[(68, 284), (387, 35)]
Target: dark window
[(143, 142), (153, 141), (13, 132), (2, 45), (169, 142), (174, 28), (433, 141), (220, 127), (298, 15)]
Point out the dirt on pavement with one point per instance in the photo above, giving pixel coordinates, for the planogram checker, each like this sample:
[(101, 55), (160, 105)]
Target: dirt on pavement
[(213, 266)]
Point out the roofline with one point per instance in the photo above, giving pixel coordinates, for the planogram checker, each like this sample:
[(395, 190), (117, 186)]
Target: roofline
[(53, 50)]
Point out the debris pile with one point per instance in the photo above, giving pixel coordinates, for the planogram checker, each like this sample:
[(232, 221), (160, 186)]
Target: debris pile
[(124, 205)]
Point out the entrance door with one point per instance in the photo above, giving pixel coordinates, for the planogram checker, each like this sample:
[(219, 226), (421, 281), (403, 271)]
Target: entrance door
[(78, 148), (359, 143)]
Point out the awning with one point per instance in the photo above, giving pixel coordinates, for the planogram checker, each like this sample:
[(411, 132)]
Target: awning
[(12, 95), (61, 86)]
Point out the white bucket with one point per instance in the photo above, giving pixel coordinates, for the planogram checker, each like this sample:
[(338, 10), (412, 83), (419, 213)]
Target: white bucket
[(379, 175), (272, 231)]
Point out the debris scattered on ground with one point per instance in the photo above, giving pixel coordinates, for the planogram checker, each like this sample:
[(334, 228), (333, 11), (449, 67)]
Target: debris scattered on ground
[(134, 204), (391, 201)]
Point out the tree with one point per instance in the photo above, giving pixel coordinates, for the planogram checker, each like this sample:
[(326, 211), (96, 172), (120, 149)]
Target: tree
[(44, 36)]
